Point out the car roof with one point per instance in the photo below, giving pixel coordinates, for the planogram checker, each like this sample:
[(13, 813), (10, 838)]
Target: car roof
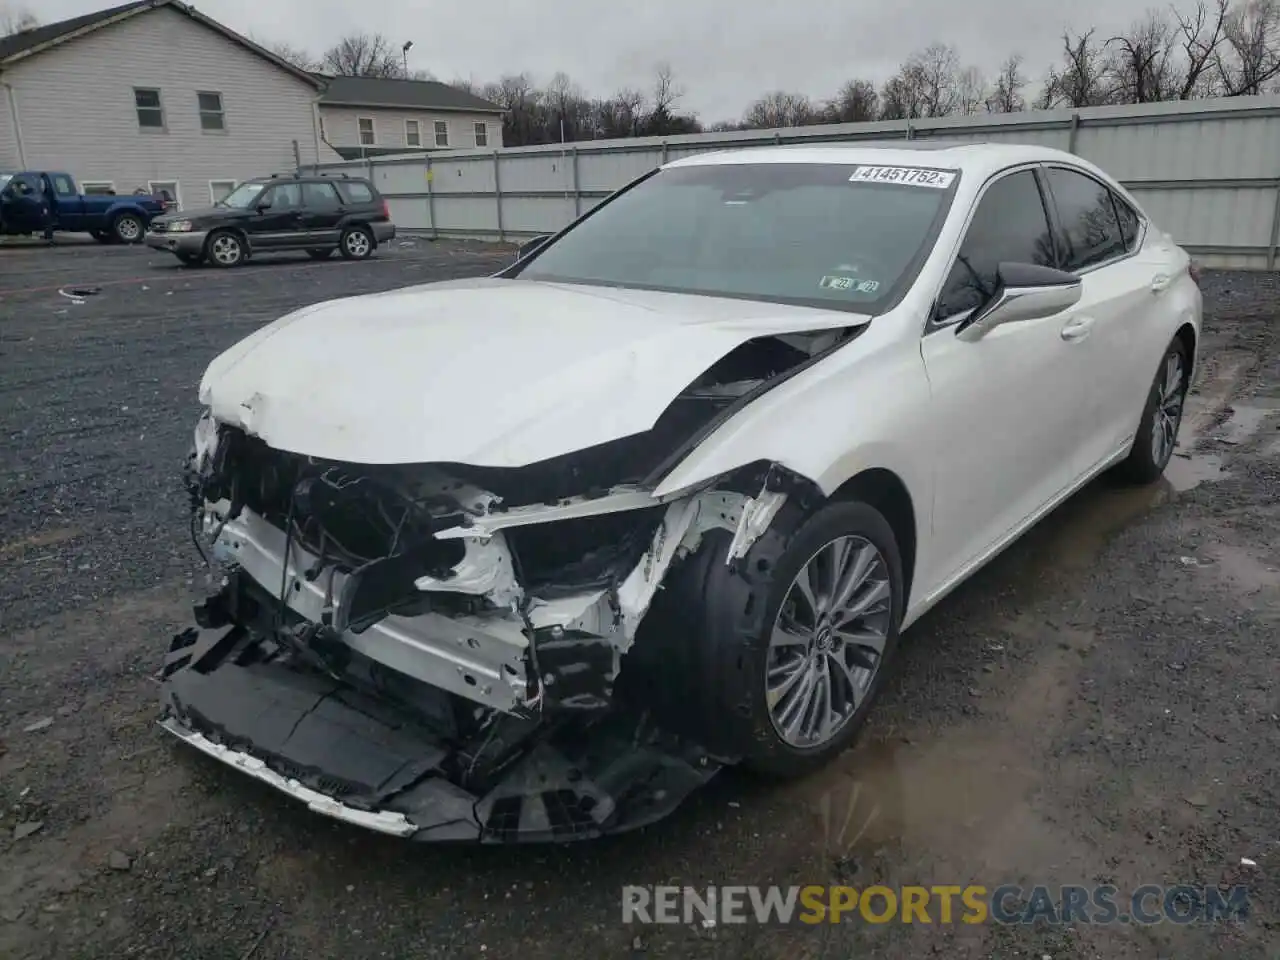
[(966, 156), (305, 178)]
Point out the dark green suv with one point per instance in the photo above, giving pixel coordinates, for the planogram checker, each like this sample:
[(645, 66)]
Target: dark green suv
[(317, 214)]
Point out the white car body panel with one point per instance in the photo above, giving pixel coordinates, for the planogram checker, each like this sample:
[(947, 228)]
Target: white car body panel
[(986, 436)]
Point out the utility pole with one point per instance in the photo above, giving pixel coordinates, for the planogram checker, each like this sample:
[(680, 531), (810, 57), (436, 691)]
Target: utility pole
[(405, 53)]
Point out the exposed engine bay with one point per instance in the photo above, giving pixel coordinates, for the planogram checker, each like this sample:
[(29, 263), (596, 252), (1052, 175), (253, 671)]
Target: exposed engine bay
[(438, 650)]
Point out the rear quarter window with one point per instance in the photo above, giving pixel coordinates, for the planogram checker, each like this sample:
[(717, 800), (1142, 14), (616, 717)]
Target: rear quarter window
[(353, 191)]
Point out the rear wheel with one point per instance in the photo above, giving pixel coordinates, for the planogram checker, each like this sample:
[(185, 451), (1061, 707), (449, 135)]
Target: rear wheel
[(1161, 419), (357, 243), (127, 228), (320, 254), (225, 249)]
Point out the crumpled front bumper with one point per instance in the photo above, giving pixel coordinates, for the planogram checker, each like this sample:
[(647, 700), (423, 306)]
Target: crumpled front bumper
[(357, 758)]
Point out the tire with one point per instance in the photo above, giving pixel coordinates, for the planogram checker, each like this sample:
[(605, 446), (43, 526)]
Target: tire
[(319, 254), (225, 248), (356, 243), (1157, 434), (127, 228), (706, 672)]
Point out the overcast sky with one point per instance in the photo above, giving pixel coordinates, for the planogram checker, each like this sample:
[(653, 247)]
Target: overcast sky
[(723, 53)]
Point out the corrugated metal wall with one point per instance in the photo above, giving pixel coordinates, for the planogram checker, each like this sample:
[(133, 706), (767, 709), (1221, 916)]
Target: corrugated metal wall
[(1207, 171)]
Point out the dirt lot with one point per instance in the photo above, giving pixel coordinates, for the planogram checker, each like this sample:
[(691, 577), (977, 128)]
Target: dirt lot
[(1101, 705)]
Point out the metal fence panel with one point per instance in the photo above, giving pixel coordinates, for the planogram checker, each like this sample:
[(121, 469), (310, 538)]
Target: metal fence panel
[(1206, 171)]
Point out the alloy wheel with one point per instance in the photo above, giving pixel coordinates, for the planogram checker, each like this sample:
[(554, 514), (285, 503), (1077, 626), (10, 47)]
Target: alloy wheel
[(828, 641), (225, 249), (128, 229), (1170, 394), (357, 243)]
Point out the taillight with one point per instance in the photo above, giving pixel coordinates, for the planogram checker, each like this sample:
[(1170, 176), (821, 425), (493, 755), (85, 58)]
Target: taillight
[(386, 209)]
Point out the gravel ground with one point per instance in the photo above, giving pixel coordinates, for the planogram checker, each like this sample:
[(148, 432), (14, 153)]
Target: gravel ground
[(1100, 705)]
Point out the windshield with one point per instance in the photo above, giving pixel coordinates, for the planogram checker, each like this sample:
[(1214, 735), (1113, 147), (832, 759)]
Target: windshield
[(242, 196), (828, 235), (5, 178)]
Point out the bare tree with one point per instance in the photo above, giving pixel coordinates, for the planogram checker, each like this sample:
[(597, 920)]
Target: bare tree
[(1201, 36), (857, 101), (938, 66), (1006, 95), (297, 56), (363, 55), (1251, 58), (779, 109), (902, 96), (1081, 80), (15, 19), (971, 91), (1141, 64)]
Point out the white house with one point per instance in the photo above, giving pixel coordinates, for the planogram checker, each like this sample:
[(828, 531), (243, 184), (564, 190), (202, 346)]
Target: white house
[(367, 116), (155, 95)]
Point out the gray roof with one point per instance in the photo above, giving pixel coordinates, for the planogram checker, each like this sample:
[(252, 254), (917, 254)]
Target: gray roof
[(416, 94), (30, 41)]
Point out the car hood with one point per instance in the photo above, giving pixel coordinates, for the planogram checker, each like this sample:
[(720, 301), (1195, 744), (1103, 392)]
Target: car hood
[(487, 372), (196, 213)]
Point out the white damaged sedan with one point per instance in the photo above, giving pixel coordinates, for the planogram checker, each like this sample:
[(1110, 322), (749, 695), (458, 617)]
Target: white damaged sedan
[(532, 556)]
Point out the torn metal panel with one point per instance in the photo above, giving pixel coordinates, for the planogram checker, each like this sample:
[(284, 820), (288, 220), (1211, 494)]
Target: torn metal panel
[(757, 514), (617, 500), (486, 570)]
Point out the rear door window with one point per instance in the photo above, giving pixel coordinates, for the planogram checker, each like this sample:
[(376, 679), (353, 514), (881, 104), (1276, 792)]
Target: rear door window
[(354, 191), (319, 196), (63, 185), (1090, 231), (1129, 222), (1010, 225)]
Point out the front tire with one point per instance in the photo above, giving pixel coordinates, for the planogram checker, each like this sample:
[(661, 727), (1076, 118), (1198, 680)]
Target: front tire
[(225, 249), (778, 659), (357, 243), (1157, 434), (127, 228)]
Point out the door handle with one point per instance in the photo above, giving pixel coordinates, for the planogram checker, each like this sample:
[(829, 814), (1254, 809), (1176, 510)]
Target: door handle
[(1160, 282), (1077, 328)]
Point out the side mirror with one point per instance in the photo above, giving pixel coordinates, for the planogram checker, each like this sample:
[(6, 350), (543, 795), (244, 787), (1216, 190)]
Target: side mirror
[(1024, 291), (532, 246), (264, 206)]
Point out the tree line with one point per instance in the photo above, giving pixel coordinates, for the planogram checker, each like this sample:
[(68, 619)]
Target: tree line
[(1216, 48)]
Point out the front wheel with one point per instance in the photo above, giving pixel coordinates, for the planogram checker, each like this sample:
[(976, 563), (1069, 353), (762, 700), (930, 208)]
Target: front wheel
[(357, 243), (1161, 419), (225, 249)]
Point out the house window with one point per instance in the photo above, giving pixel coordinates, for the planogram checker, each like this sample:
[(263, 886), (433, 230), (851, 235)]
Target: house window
[(167, 191), (412, 133), (211, 117), (442, 133), (367, 139), (482, 134), (150, 113), (98, 187), (220, 189)]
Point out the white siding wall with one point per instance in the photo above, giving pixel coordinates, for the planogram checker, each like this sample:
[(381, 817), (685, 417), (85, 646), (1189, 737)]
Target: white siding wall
[(341, 127), (8, 142), (76, 108)]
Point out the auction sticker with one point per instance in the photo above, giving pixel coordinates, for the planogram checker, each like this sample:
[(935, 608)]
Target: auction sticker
[(908, 176), (850, 283)]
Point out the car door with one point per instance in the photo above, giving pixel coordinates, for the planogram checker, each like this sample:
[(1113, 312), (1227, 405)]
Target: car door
[(322, 211), (1007, 419), (68, 205), (22, 203), (1101, 239), (278, 221)]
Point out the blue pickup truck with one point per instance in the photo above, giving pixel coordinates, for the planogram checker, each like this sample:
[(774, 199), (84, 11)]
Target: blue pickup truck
[(36, 201)]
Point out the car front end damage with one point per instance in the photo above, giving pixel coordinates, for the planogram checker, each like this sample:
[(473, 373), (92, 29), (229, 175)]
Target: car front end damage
[(445, 652)]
